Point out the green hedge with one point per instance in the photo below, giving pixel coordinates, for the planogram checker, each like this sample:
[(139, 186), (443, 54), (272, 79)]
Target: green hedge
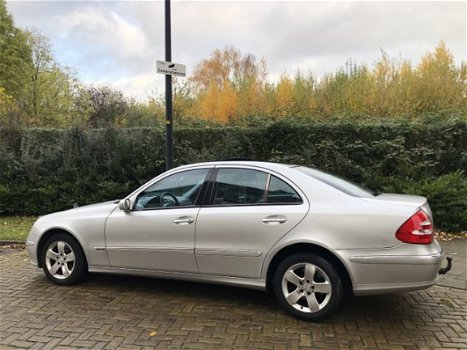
[(45, 170)]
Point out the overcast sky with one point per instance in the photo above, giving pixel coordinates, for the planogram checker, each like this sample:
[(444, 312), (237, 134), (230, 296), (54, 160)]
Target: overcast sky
[(117, 42)]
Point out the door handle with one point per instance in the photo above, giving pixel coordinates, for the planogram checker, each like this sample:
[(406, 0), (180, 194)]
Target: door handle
[(183, 220), (274, 219)]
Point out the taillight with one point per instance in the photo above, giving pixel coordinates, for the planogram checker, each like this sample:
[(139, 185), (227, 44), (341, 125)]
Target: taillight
[(417, 230)]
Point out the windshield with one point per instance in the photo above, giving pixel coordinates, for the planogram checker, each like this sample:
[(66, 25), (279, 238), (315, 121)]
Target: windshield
[(342, 185)]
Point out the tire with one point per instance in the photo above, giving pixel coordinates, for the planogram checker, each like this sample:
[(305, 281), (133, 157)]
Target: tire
[(308, 286), (63, 260)]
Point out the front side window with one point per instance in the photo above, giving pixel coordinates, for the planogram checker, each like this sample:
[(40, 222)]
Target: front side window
[(177, 190)]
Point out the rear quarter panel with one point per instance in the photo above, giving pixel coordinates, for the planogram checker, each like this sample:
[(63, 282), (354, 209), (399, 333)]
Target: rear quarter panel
[(339, 222)]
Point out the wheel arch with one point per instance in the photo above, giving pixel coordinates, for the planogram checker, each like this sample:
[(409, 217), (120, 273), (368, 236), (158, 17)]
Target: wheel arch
[(314, 249), (49, 233)]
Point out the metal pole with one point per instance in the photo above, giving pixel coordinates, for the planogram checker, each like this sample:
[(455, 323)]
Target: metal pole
[(168, 90)]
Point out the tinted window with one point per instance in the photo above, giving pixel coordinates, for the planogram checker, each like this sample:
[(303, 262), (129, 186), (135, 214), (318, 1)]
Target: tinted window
[(281, 192), (342, 185), (239, 186), (177, 190)]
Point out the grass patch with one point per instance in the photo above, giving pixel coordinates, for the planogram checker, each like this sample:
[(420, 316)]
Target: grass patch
[(15, 227)]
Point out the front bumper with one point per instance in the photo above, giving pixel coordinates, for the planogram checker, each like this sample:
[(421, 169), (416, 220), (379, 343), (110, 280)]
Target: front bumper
[(32, 250)]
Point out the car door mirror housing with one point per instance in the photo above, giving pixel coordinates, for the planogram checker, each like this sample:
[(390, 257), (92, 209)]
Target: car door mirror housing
[(125, 205)]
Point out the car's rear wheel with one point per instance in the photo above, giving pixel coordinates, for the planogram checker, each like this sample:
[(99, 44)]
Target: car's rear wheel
[(63, 260), (308, 286)]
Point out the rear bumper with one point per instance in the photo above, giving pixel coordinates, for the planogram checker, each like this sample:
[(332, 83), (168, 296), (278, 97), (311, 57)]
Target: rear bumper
[(402, 268), (390, 288), (398, 259)]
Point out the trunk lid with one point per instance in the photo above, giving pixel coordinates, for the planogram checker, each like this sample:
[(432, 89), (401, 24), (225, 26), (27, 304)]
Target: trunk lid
[(404, 199)]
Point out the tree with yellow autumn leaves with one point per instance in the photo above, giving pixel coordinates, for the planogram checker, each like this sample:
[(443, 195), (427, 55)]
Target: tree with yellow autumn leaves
[(228, 87)]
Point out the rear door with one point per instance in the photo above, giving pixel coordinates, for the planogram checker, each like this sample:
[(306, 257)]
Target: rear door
[(248, 211)]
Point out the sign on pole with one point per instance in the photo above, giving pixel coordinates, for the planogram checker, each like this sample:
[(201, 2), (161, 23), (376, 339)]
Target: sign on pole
[(171, 68)]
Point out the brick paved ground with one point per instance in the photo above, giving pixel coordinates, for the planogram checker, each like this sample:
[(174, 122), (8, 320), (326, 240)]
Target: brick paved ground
[(109, 312), (457, 277)]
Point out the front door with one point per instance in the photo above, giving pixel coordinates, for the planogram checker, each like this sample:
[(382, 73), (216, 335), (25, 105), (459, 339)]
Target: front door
[(158, 234)]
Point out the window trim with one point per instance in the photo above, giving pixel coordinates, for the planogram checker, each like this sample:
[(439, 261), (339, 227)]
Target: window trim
[(266, 190), (209, 192), (210, 196)]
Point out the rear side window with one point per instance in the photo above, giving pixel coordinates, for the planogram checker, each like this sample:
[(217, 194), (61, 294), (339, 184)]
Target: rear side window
[(239, 186), (281, 192), (250, 187)]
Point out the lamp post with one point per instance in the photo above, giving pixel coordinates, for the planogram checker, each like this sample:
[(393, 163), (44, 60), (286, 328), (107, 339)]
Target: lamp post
[(168, 91)]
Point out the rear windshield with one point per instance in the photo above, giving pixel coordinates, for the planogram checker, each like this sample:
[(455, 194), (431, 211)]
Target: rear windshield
[(342, 185)]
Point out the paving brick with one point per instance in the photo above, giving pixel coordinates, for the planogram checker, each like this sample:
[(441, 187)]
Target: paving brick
[(114, 312)]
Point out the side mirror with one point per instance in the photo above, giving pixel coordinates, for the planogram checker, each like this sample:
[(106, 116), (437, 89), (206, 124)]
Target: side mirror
[(125, 205)]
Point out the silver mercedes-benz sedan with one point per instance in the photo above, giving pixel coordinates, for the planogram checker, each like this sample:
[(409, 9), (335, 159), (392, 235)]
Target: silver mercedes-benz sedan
[(302, 233)]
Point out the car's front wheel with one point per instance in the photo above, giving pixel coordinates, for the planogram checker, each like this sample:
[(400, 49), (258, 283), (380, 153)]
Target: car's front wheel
[(63, 260), (308, 286)]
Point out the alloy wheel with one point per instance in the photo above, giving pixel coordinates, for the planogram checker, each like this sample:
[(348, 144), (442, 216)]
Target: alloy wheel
[(306, 287), (60, 259)]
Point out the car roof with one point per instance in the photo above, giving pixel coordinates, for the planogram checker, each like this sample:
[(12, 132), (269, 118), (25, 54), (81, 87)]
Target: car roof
[(259, 164)]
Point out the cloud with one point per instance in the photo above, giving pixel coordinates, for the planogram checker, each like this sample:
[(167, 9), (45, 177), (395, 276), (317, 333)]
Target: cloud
[(332, 32), (119, 41), (104, 29), (138, 86)]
